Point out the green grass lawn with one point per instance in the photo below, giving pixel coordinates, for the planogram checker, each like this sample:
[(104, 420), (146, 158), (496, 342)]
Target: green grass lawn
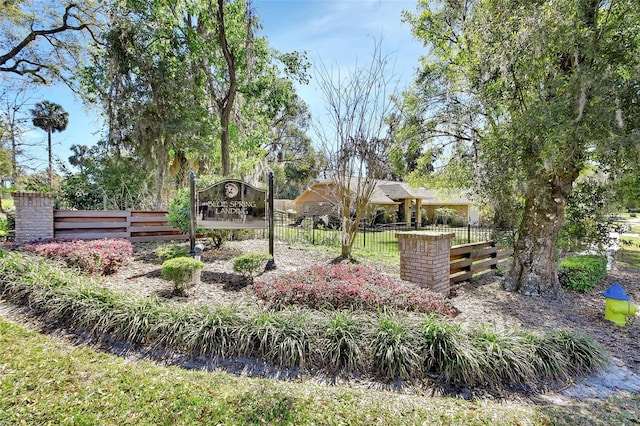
[(48, 381)]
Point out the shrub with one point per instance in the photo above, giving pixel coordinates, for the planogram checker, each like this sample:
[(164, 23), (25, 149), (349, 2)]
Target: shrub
[(388, 346), (171, 251), (180, 270), (103, 257), (347, 286), (249, 264), (582, 273), (179, 213)]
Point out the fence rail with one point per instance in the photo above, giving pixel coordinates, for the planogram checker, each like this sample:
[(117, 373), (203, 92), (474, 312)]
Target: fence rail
[(467, 260), (380, 238)]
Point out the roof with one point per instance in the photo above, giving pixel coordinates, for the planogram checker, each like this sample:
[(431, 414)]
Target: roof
[(393, 192)]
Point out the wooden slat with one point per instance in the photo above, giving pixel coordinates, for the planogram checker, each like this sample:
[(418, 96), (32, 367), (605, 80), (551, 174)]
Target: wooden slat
[(504, 254), (479, 254), (462, 277), (148, 238), (148, 212), (467, 248), (165, 228), (89, 213), (137, 219), (460, 266), (85, 225), (481, 266), (91, 235)]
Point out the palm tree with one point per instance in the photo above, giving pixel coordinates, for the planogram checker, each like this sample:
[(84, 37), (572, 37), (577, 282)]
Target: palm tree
[(50, 117)]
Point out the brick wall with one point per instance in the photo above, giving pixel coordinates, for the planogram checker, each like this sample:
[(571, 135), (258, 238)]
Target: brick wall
[(34, 216), (424, 259)]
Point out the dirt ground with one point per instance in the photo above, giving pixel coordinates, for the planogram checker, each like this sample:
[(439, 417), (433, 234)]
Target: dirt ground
[(479, 302)]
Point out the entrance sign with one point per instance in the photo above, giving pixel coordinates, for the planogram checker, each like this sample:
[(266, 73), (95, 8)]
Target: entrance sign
[(232, 204)]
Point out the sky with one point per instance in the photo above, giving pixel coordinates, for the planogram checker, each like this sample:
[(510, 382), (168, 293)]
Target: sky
[(337, 33)]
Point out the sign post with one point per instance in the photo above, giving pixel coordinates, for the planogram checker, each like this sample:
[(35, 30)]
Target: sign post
[(271, 264), (192, 214)]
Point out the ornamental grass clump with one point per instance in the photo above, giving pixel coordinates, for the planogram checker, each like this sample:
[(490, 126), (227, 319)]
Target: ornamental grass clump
[(342, 346), (503, 357), (348, 286), (180, 271), (388, 346), (101, 257), (448, 353), (281, 337), (395, 349)]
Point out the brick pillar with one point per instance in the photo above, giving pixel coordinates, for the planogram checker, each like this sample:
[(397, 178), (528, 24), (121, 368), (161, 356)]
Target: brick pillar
[(424, 259), (34, 216)]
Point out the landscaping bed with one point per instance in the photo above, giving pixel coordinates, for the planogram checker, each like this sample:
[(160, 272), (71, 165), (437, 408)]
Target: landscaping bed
[(480, 302)]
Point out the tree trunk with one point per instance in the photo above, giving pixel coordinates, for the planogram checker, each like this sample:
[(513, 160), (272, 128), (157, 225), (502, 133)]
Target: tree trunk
[(50, 170), (224, 140), (163, 144), (226, 104), (535, 271)]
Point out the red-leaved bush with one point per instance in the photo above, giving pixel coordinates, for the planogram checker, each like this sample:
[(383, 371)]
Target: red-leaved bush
[(93, 256), (347, 286)]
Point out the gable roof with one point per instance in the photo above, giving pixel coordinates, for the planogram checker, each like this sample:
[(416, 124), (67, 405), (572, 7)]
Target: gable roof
[(393, 192)]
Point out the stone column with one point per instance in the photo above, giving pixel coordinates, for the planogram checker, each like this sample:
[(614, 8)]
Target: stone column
[(424, 259), (34, 216)]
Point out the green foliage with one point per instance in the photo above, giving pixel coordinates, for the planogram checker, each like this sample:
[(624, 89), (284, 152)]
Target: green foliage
[(586, 224), (627, 189), (76, 192), (249, 264), (172, 250), (519, 123), (79, 382), (387, 345), (179, 213), (180, 270), (103, 177), (448, 216), (343, 349), (395, 354), (582, 273)]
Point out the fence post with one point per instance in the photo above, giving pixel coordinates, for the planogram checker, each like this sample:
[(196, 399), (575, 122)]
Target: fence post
[(313, 230), (468, 233), (425, 259), (364, 236)]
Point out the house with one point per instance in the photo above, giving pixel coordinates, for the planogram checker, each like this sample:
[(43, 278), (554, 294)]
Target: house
[(405, 203)]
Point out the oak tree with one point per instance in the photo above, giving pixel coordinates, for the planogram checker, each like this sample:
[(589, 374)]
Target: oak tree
[(522, 96)]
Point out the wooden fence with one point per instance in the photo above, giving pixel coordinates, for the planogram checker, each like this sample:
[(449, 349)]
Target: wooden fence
[(467, 260), (137, 226)]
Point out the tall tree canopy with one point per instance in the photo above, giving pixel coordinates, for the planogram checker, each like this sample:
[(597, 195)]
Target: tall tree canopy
[(45, 40), (519, 97), (188, 85)]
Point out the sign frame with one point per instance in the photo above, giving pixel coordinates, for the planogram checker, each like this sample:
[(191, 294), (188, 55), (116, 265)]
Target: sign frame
[(232, 204)]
